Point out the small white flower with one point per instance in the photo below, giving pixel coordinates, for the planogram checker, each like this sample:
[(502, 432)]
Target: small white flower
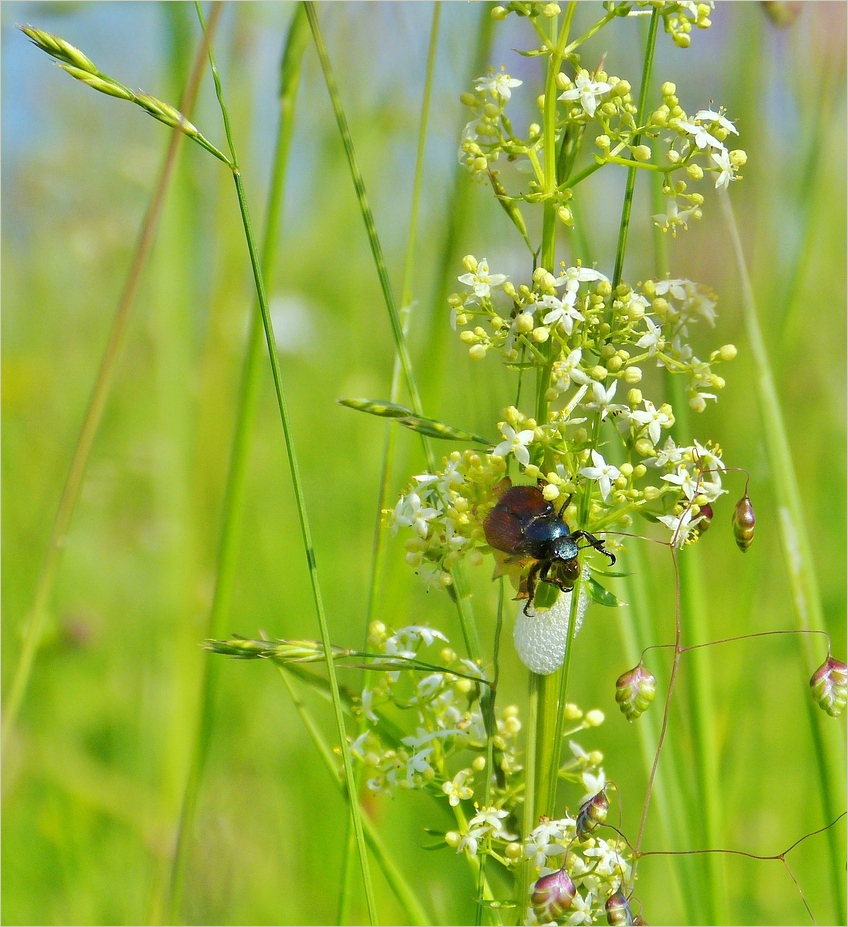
[(417, 763), (429, 685), (539, 849), (367, 702), (674, 216), (687, 481), (562, 311), (580, 911), (568, 371), (412, 633), (653, 340), (469, 841), (481, 280), (710, 462), (603, 472), (574, 276), (593, 784), (681, 526), (514, 443), (409, 513), (588, 91), (457, 789), (678, 288), (357, 747), (707, 115), (602, 399), (669, 454), (725, 169), (489, 819), (702, 138), (653, 418), (499, 85)]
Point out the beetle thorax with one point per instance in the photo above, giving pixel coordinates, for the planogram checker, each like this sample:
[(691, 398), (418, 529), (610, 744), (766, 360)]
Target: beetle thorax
[(564, 548)]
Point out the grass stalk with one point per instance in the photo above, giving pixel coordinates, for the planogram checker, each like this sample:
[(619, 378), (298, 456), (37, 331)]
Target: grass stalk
[(829, 744), (380, 529), (297, 484), (235, 492), (34, 625)]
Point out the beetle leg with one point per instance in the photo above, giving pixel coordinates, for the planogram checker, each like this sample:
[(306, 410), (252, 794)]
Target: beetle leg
[(531, 585), (545, 577), (594, 542), (565, 505)]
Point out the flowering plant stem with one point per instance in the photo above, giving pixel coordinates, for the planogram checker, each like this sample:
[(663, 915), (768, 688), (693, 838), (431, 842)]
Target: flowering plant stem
[(830, 751), (297, 485), (550, 693)]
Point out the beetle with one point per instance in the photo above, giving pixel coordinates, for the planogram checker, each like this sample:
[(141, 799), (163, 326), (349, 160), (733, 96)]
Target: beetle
[(524, 524)]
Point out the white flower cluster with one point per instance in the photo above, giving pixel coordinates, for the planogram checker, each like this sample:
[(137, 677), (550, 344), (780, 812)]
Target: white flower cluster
[(446, 720), (441, 509)]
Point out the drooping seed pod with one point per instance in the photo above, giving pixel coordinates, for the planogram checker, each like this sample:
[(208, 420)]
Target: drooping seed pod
[(618, 909), (743, 523), (592, 813), (634, 691), (553, 894), (830, 686)]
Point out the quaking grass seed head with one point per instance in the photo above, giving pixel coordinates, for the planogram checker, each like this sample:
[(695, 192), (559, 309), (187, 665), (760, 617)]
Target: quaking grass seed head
[(553, 894), (744, 521), (592, 813), (618, 909), (830, 686), (634, 691)]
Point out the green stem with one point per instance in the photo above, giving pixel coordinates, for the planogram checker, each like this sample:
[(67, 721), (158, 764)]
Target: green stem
[(380, 548), (235, 493), (300, 498), (829, 744), (647, 68), (34, 625)]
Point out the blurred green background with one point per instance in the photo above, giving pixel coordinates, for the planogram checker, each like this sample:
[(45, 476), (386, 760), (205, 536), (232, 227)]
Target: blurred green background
[(94, 773)]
